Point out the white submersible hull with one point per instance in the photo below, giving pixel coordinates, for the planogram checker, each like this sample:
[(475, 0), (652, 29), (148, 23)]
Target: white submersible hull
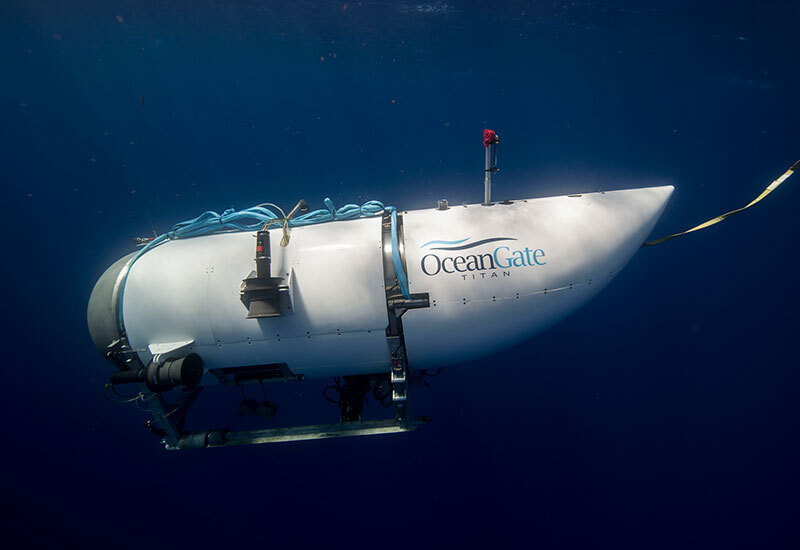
[(480, 278)]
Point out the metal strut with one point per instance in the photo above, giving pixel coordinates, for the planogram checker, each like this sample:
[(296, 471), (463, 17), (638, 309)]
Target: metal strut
[(227, 438), (398, 301)]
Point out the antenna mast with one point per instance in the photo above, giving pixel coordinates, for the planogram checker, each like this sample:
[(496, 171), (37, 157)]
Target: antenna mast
[(490, 142)]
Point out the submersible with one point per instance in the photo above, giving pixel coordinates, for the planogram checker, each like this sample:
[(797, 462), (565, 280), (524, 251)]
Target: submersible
[(369, 295)]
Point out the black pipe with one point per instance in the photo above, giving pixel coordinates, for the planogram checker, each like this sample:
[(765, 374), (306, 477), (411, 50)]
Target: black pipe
[(263, 254), (127, 377), (183, 371)]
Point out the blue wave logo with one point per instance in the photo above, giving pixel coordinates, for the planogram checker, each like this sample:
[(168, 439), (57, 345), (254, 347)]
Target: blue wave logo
[(454, 245)]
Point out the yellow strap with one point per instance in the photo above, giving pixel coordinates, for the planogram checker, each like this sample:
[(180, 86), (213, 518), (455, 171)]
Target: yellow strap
[(771, 187)]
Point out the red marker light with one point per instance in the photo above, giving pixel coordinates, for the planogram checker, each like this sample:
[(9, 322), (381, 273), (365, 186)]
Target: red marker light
[(490, 137)]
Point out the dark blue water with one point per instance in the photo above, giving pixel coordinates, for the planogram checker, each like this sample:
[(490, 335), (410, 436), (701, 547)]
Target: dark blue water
[(663, 414)]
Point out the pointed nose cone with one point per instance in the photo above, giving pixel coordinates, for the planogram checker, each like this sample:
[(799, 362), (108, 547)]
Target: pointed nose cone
[(516, 268), (630, 216), (650, 203), (613, 226)]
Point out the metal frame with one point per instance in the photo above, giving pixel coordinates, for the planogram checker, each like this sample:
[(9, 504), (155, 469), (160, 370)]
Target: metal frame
[(225, 438)]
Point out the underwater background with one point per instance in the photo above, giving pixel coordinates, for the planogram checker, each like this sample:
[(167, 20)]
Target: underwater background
[(663, 414)]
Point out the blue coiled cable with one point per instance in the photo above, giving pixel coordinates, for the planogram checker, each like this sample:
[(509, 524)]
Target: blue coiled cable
[(256, 217)]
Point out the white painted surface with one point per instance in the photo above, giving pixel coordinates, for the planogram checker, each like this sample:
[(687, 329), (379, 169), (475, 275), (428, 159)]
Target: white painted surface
[(584, 241), (189, 290), (335, 319)]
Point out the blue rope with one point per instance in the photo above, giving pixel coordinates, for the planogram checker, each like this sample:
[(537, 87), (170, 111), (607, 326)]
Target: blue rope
[(256, 217)]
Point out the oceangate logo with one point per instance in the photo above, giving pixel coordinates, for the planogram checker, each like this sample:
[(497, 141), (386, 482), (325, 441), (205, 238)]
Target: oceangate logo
[(484, 265)]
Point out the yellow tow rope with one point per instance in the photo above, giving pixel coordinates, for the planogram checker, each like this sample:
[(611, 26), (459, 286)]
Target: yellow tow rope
[(772, 186)]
